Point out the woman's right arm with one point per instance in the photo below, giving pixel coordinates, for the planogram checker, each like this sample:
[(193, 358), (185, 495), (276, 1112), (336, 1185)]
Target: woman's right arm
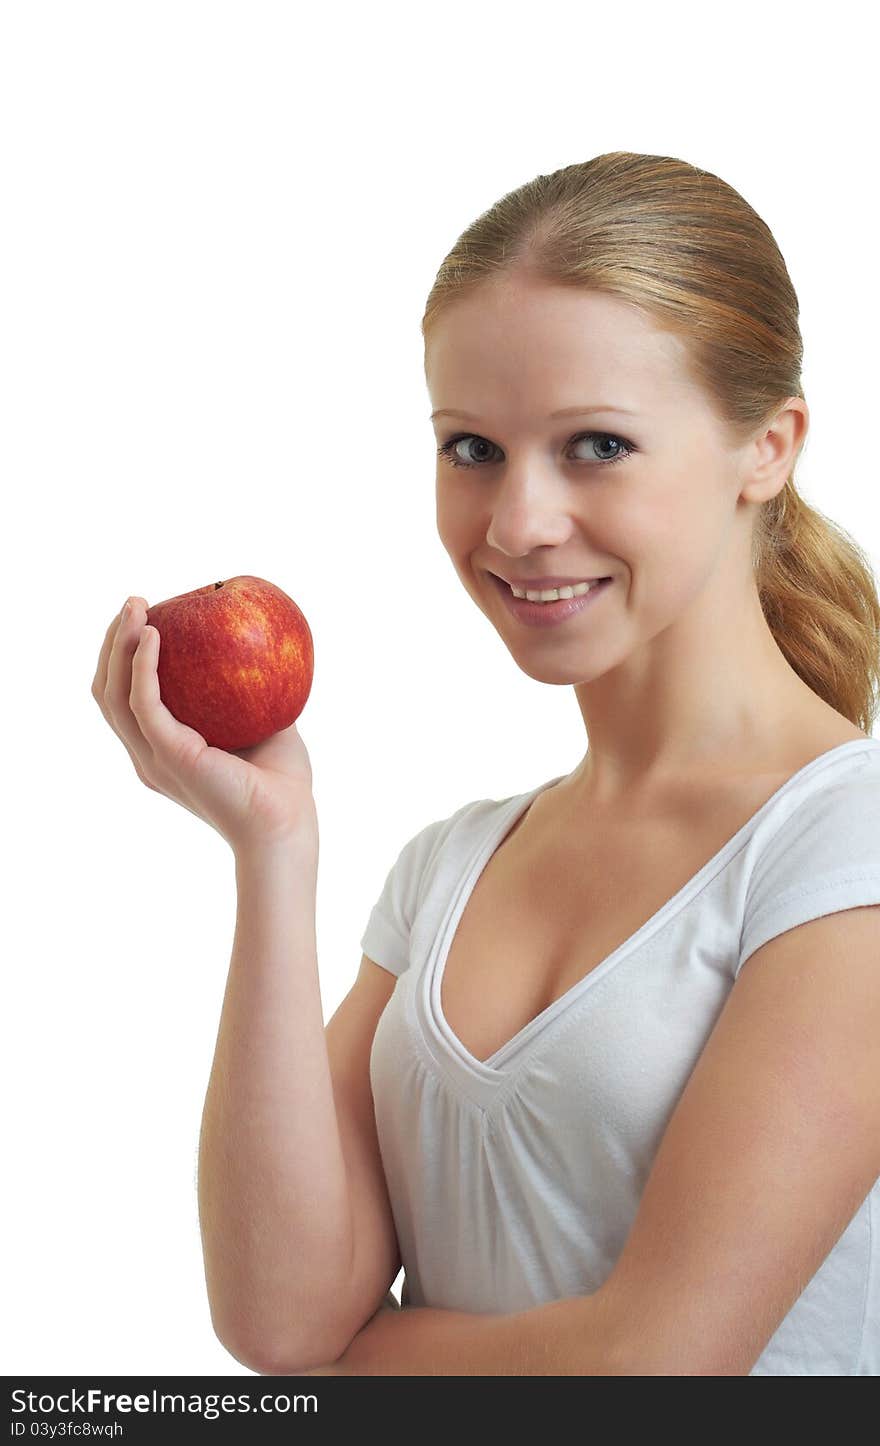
[(285, 1147), (288, 1143)]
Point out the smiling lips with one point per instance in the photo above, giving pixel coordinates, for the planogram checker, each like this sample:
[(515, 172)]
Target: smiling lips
[(535, 584), (552, 606), (542, 590)]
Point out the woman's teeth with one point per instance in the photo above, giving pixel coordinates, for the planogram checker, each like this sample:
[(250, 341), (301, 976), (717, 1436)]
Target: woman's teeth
[(554, 594)]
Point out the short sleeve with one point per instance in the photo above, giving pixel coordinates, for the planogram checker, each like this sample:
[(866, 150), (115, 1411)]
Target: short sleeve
[(387, 935), (824, 857)]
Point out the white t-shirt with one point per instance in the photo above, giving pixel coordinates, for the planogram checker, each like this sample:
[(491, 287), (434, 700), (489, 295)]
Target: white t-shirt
[(515, 1181)]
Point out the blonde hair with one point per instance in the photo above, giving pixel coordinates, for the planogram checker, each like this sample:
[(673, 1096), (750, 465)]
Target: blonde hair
[(689, 251)]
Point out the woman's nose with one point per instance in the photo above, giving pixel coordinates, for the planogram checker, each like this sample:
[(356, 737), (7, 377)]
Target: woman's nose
[(521, 529)]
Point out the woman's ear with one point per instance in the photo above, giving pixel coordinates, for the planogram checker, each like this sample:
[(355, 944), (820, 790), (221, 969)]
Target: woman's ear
[(771, 457)]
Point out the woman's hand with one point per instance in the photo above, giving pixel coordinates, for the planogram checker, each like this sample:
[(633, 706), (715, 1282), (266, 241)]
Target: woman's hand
[(251, 796)]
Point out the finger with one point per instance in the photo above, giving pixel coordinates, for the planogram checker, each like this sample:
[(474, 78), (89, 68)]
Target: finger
[(116, 705), (174, 743), (118, 685), (99, 682)]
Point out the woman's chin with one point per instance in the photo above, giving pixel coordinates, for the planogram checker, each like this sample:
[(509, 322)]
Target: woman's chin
[(546, 670)]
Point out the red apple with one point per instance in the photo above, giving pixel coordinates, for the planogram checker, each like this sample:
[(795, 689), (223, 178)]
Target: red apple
[(235, 660)]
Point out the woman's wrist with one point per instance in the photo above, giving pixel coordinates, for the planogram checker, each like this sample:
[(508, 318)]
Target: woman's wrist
[(264, 858)]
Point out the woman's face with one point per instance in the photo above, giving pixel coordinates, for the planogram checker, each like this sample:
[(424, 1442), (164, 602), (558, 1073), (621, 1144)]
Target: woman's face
[(564, 496)]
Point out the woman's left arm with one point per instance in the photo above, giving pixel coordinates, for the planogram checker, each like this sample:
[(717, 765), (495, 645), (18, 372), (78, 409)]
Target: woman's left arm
[(773, 1146), (422, 1341)]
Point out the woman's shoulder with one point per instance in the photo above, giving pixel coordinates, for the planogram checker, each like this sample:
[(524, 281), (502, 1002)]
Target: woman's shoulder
[(808, 757), (821, 728)]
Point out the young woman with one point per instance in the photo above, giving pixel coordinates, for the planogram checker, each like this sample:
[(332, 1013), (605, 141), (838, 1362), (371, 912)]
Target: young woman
[(597, 1142)]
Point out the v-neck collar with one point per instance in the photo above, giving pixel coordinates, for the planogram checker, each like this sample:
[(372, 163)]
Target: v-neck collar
[(481, 1080)]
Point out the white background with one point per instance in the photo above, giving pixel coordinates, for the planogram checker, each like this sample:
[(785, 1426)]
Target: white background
[(220, 225)]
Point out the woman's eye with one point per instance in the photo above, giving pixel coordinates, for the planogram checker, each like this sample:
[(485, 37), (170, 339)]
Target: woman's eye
[(449, 451)]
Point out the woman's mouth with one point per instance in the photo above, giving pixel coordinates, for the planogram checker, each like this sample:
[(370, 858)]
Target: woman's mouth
[(546, 614)]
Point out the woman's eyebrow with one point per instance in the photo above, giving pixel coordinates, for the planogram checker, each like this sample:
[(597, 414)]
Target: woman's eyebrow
[(566, 412)]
